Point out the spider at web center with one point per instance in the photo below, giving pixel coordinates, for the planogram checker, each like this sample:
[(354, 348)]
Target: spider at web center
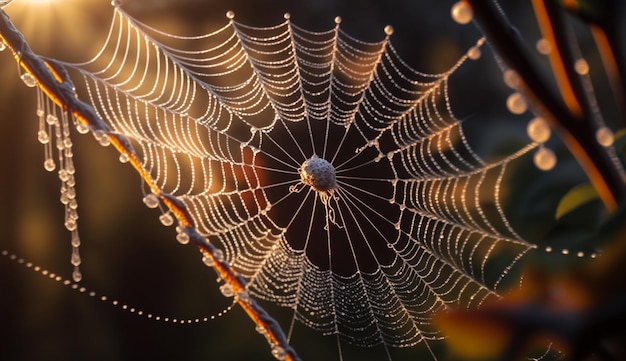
[(319, 174)]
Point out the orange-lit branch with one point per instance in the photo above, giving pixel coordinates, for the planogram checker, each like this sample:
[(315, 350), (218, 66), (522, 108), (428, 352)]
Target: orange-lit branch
[(556, 57), (54, 81), (609, 57)]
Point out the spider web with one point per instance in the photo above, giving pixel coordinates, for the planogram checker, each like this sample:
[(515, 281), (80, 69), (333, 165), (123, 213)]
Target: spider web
[(224, 122)]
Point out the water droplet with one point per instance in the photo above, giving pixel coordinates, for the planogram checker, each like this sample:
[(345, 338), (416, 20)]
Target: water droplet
[(151, 200), (101, 137), (69, 168), (474, 53), (243, 296), (544, 46), (63, 176), (166, 219), (70, 193), (605, 136), (124, 158), (29, 80), (2, 46), (49, 165), (75, 259), (182, 238), (516, 103), (227, 290), (462, 13), (82, 128), (388, 30), (75, 239), (230, 14), (218, 255), (71, 225), (42, 137), (581, 66), (72, 214), (511, 78), (544, 158), (279, 353), (208, 261), (260, 329), (538, 130), (104, 141), (52, 119), (76, 275)]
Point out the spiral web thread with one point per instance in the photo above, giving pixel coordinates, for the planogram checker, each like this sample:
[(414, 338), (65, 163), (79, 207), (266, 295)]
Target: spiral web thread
[(223, 122)]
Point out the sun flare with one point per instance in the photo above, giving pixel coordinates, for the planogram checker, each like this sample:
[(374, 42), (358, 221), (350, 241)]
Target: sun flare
[(58, 26)]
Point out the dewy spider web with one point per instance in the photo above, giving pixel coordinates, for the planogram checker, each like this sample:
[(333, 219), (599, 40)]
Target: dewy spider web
[(229, 123)]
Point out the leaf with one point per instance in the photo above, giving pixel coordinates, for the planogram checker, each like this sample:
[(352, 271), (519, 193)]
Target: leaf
[(575, 198)]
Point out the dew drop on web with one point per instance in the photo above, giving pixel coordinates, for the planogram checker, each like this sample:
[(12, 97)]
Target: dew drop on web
[(544, 158), (49, 165), (581, 66), (516, 103), (544, 46), (538, 130), (605, 136), (462, 13), (474, 53)]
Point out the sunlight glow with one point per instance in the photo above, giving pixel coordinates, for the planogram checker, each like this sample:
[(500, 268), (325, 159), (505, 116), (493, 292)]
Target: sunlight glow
[(39, 1), (45, 21)]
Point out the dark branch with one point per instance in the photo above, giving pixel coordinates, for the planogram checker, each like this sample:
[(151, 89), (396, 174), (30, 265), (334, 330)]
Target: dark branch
[(577, 132)]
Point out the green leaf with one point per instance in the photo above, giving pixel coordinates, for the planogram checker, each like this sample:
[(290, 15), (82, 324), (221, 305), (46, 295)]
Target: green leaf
[(576, 197)]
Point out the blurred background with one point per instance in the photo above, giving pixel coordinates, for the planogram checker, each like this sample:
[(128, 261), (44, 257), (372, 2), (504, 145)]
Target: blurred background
[(129, 256)]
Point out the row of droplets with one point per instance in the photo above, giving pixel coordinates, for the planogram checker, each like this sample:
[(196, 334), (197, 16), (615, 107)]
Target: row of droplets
[(54, 135), (538, 129), (75, 286)]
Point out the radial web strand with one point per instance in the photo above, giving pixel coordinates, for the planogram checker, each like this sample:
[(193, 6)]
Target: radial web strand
[(333, 176)]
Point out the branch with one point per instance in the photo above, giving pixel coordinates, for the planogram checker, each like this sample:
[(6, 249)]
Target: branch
[(577, 132), (55, 82)]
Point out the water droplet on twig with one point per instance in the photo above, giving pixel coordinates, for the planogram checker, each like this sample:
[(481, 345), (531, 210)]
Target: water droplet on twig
[(462, 13), (151, 200), (29, 80), (538, 130)]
